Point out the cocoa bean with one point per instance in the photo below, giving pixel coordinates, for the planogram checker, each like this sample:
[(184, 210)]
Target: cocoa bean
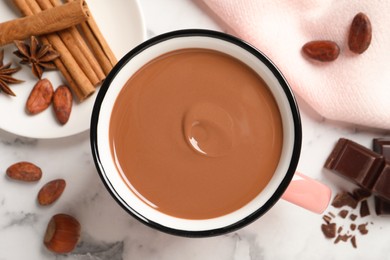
[(321, 50), (62, 104), (40, 97), (24, 171), (51, 191), (360, 34)]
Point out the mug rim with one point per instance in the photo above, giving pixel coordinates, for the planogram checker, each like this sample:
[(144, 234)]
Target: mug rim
[(282, 83)]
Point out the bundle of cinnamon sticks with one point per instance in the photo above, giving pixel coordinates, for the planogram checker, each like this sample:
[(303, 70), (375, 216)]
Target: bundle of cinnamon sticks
[(85, 56)]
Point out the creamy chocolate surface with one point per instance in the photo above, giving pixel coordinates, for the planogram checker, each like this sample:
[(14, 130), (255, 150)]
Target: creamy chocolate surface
[(196, 134)]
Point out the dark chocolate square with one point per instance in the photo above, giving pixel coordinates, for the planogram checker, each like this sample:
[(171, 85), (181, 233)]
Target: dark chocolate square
[(381, 187), (355, 162), (382, 146), (382, 207)]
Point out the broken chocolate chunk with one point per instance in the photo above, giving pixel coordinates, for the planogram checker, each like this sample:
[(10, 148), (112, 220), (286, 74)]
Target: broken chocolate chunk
[(363, 229), (344, 199), (364, 210), (343, 238), (352, 227), (343, 213), (329, 230), (355, 163), (353, 217)]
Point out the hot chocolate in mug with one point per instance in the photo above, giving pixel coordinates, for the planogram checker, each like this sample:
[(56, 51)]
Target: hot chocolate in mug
[(197, 133)]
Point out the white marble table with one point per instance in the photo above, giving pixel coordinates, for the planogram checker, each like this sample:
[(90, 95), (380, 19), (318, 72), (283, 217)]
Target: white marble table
[(285, 232)]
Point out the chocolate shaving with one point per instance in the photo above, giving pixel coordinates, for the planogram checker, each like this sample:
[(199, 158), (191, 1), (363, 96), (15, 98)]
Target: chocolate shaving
[(353, 242), (329, 230), (364, 210), (339, 230), (343, 213), (327, 219), (351, 199), (344, 199), (343, 238)]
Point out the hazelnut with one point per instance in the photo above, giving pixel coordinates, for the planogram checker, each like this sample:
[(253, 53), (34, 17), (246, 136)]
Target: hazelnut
[(62, 234)]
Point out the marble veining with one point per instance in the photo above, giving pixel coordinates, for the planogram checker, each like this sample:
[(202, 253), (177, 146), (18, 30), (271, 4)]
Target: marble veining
[(108, 232), (246, 246), (88, 249), (20, 219)]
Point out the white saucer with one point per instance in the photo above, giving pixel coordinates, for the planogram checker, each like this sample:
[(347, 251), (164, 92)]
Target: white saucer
[(121, 23)]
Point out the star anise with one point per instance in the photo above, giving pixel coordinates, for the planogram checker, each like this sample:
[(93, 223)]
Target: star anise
[(39, 56), (6, 76)]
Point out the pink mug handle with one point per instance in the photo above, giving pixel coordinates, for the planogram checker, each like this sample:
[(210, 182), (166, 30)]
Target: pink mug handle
[(308, 193)]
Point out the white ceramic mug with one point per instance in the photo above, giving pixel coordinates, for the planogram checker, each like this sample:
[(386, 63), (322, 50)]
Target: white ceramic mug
[(302, 190)]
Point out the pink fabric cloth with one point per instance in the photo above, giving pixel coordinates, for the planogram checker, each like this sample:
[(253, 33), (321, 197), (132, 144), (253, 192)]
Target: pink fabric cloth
[(354, 88)]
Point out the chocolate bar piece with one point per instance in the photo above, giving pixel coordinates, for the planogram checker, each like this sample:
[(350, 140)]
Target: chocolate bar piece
[(361, 194), (381, 187), (382, 146), (355, 162), (382, 207), (362, 166), (364, 209)]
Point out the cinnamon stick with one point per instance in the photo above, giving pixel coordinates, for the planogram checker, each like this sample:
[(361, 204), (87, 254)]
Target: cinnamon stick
[(70, 69), (98, 44), (88, 54), (25, 10), (73, 47), (81, 44), (49, 21)]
